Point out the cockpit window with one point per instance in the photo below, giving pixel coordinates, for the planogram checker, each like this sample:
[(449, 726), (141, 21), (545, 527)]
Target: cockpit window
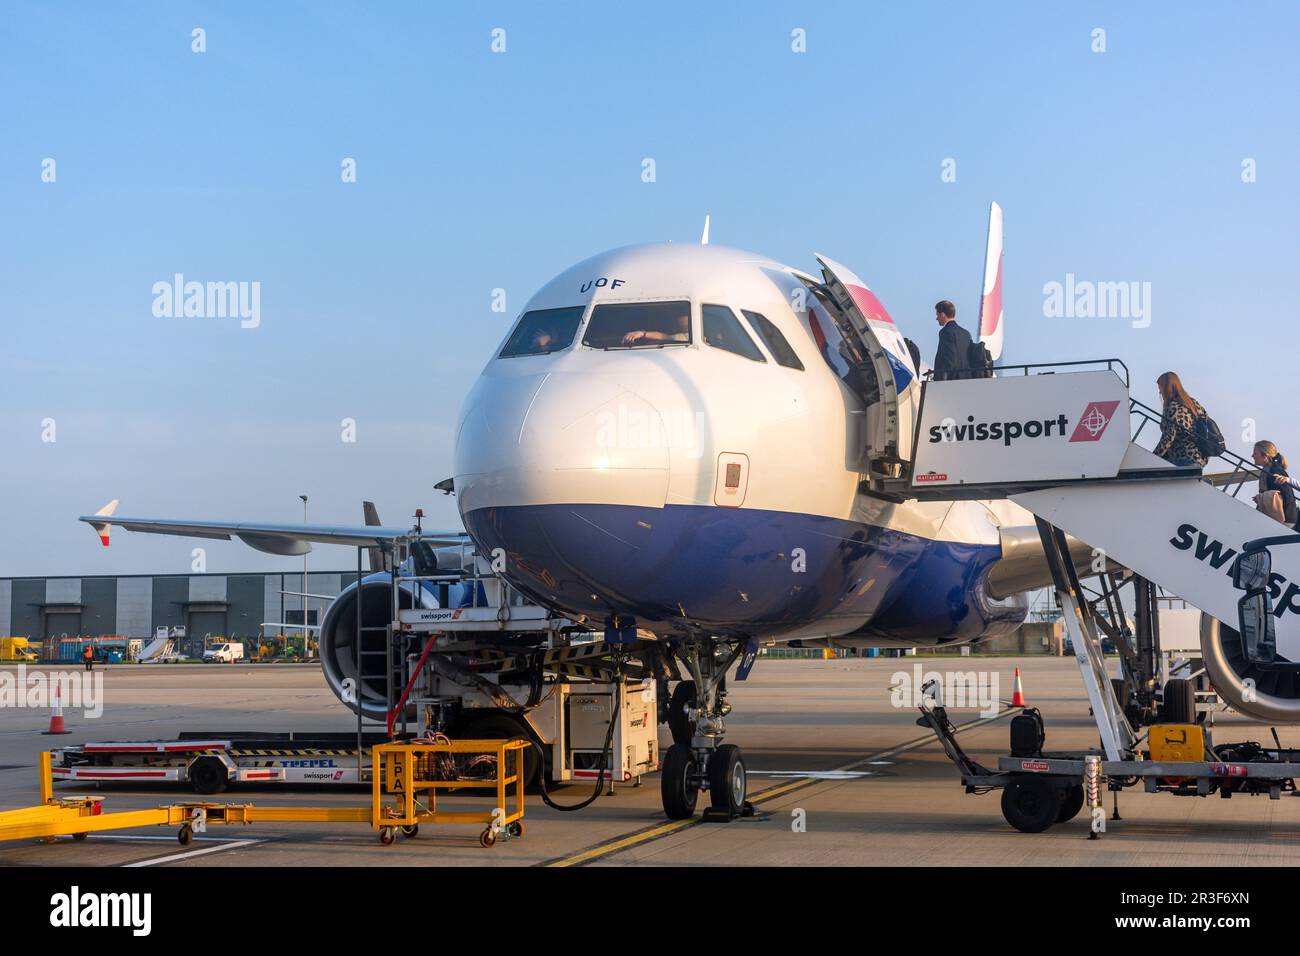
[(723, 330), (543, 331), (776, 342), (636, 325)]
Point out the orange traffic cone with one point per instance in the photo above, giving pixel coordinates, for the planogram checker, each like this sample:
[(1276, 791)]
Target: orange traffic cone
[(1018, 694), (56, 718)]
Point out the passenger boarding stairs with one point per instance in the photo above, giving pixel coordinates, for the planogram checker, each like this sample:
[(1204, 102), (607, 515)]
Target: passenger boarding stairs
[(1061, 444)]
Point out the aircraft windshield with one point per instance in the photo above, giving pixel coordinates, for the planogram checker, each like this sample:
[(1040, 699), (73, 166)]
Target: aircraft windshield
[(637, 325), (543, 331)]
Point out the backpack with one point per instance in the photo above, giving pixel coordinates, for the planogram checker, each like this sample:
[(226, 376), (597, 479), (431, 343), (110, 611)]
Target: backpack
[(1207, 437), (979, 361), (914, 351)]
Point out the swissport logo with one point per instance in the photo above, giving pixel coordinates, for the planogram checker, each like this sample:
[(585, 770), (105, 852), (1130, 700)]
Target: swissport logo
[(1093, 421), (1210, 550)]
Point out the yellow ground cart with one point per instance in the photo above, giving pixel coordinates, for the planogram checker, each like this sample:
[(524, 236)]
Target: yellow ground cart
[(415, 772)]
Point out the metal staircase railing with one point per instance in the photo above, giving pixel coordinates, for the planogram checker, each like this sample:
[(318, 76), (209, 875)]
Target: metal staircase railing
[(1243, 469)]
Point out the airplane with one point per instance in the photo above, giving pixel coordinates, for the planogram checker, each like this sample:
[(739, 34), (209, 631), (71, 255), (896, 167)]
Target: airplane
[(690, 441)]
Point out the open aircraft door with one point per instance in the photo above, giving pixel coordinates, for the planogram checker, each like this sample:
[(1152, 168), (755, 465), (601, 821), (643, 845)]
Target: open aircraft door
[(891, 418)]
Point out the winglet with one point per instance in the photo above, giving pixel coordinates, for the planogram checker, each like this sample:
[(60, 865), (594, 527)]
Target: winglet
[(704, 239), (102, 528)]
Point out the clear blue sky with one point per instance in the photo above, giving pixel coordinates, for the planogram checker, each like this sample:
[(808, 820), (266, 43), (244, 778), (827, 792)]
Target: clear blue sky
[(479, 170)]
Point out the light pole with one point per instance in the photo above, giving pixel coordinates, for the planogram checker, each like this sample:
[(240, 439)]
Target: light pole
[(306, 652)]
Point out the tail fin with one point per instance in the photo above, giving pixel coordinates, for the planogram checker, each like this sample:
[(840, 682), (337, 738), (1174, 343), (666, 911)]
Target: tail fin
[(991, 292), (102, 528)]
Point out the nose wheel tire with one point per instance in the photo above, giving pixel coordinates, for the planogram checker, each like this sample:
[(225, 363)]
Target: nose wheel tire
[(677, 785), (728, 783)]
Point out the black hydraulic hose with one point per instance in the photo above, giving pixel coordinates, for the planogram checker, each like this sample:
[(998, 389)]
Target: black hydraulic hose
[(605, 757)]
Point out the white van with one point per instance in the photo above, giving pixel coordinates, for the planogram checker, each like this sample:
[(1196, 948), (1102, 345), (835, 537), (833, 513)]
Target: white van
[(226, 653)]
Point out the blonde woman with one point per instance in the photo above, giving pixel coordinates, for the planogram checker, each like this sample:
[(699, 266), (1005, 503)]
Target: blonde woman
[(1178, 421), (1276, 496)]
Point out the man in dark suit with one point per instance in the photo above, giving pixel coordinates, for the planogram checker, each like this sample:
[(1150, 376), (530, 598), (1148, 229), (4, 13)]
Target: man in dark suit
[(953, 358)]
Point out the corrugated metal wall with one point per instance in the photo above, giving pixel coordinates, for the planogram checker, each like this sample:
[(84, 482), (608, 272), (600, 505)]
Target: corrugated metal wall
[(99, 616), (133, 606), (25, 615), (246, 594)]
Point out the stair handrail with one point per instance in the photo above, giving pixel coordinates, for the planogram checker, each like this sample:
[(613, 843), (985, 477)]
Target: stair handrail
[(1243, 469), (1030, 368)]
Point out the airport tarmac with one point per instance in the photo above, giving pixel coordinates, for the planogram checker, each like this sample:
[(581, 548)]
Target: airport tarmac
[(824, 744)]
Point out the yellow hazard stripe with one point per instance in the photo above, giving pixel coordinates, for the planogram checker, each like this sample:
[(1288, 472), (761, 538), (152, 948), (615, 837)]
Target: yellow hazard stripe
[(659, 831), (289, 753)]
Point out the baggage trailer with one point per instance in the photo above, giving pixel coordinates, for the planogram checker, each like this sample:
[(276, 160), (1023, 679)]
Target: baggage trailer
[(210, 762)]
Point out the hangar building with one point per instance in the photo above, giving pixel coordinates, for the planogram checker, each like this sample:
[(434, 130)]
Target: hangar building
[(228, 605)]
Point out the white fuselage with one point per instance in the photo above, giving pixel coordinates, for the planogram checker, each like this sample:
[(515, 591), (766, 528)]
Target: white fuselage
[(628, 481)]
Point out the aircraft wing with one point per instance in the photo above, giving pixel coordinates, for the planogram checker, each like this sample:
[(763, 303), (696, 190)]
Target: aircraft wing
[(284, 539)]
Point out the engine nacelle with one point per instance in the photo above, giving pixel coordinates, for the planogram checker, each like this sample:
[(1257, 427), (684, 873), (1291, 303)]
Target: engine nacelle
[(338, 639), (1265, 693)]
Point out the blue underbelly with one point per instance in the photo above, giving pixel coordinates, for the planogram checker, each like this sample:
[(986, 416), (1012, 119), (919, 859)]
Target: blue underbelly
[(730, 570)]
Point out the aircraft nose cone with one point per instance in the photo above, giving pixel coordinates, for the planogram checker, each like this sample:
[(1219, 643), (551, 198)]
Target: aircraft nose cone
[(559, 438)]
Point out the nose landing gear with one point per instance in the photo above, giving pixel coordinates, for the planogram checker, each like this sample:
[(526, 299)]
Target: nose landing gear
[(721, 772), (698, 760)]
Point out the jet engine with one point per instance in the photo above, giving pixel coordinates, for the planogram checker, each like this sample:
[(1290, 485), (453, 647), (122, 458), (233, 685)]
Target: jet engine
[(339, 639), (1267, 692)]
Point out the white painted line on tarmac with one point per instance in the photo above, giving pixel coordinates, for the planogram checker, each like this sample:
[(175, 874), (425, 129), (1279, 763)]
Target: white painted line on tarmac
[(189, 854)]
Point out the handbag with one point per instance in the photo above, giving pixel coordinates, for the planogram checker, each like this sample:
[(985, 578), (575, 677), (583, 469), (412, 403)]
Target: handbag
[(1270, 503)]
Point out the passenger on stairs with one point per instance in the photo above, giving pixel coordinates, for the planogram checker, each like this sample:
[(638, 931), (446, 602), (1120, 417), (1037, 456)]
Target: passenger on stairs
[(1178, 421), (952, 360), (1276, 496)]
